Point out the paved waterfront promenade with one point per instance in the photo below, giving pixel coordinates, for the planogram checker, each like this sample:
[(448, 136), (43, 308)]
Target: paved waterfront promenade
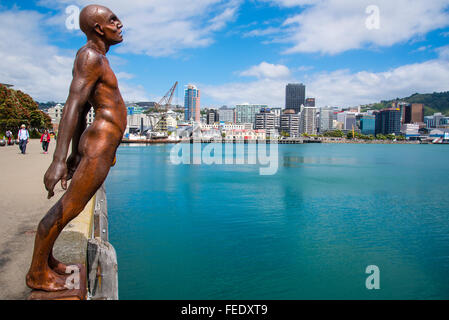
[(23, 203)]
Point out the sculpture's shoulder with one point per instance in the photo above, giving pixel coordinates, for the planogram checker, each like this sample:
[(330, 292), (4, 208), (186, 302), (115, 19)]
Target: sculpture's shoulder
[(88, 58)]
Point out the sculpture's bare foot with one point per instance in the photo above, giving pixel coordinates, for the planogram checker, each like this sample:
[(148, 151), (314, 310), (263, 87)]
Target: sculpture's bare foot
[(46, 280), (56, 265)]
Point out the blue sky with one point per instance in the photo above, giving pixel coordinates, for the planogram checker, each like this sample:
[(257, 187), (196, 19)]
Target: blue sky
[(346, 52)]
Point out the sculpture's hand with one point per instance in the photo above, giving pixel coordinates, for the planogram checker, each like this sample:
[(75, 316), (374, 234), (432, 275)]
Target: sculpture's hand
[(72, 164), (57, 171)]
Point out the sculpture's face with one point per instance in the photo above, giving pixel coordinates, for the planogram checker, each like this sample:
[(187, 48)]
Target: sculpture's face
[(112, 28)]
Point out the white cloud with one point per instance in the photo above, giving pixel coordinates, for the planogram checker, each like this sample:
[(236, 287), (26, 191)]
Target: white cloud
[(267, 70), (124, 75), (36, 67), (262, 32), (164, 27), (443, 53), (28, 62), (341, 87), (335, 26)]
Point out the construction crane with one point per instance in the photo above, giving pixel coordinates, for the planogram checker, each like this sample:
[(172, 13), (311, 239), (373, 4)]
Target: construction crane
[(165, 102), (163, 106)]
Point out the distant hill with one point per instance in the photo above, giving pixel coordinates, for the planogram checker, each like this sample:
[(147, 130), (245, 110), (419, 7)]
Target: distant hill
[(433, 102), (46, 105)]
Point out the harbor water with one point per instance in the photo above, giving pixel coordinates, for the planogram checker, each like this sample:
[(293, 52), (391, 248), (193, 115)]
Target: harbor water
[(309, 231)]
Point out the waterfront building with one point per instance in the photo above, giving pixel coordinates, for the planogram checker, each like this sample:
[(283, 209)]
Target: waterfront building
[(240, 126), (139, 123), (410, 112), (327, 117), (368, 125), (226, 114), (348, 119), (290, 123), (277, 117), (295, 94), (388, 121), (212, 116), (414, 113), (435, 121), (439, 133), (55, 114), (210, 133), (308, 121), (246, 113), (402, 106), (192, 103), (228, 126), (410, 130), (245, 134), (265, 119), (171, 119)]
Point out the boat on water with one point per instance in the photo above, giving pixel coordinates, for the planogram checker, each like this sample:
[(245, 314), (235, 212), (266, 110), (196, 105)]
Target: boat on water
[(150, 137)]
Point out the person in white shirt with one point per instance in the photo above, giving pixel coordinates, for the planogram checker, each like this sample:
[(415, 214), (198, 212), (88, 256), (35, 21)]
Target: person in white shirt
[(23, 137)]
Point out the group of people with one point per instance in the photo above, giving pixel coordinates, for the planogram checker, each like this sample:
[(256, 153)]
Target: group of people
[(24, 136)]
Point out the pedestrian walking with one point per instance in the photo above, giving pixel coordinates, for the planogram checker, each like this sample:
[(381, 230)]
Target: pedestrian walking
[(45, 140), (23, 136), (9, 136)]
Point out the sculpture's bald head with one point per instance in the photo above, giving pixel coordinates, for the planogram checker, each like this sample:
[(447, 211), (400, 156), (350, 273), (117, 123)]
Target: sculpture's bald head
[(97, 19)]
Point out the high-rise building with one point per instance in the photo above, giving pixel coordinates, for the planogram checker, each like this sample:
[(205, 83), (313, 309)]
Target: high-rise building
[(246, 113), (348, 120), (192, 103), (295, 95), (368, 124), (212, 116), (290, 123), (310, 102), (308, 121), (417, 113), (265, 119), (277, 114), (226, 114), (327, 117), (388, 121)]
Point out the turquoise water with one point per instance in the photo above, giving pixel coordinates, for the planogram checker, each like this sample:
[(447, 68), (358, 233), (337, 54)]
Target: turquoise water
[(307, 232)]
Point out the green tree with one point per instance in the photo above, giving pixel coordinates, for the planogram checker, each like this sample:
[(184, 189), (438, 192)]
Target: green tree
[(18, 108), (334, 134)]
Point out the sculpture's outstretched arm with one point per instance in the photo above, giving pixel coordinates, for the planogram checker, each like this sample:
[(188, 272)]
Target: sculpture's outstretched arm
[(87, 70)]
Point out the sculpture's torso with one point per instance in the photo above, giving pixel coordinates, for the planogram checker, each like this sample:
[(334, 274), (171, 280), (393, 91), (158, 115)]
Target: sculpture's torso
[(110, 110)]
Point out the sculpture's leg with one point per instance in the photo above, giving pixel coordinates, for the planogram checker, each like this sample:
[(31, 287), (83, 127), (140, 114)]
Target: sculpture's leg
[(89, 176), (56, 265)]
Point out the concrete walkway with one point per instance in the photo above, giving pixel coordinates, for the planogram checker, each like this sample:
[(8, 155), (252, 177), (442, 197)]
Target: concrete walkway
[(23, 203)]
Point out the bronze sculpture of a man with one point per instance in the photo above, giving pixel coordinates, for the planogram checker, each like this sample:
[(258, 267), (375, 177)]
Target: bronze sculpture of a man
[(93, 149)]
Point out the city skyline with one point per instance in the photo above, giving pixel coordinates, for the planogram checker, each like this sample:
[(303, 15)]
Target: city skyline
[(242, 51)]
